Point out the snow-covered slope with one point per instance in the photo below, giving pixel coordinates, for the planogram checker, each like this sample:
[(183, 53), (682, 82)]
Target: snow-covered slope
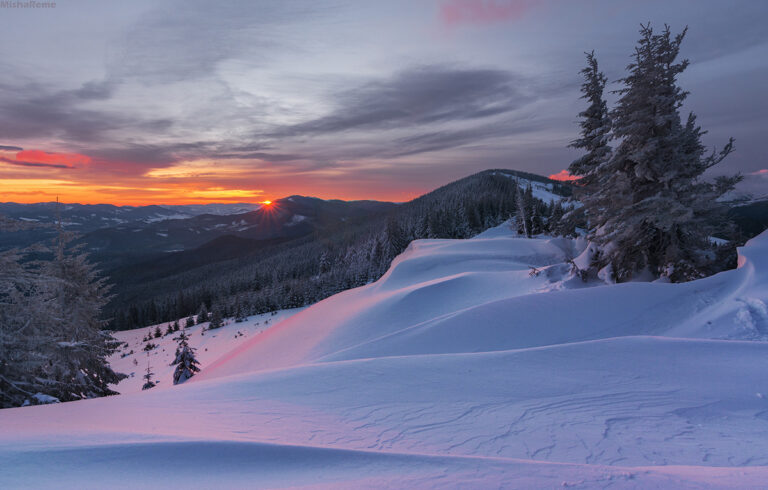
[(459, 368), (132, 359), (451, 296)]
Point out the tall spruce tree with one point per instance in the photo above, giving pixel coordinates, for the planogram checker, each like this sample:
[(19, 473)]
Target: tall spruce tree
[(594, 137), (52, 346), (185, 361), (650, 208), (77, 366), (25, 320), (595, 124)]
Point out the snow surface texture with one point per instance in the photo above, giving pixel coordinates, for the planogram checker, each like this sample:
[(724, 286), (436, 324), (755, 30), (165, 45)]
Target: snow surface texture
[(131, 358), (461, 367)]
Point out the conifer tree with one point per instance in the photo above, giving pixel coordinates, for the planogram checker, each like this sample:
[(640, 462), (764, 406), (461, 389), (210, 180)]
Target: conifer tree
[(595, 134), (78, 348), (216, 319), (525, 211), (202, 315), (185, 361), (595, 127), (239, 311), (148, 383), (190, 322), (652, 210)]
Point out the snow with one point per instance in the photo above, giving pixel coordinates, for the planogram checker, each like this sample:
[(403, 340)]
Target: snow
[(295, 219), (210, 345), (165, 217), (540, 190), (456, 369)]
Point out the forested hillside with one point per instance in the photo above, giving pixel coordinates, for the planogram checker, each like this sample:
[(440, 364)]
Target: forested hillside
[(256, 276)]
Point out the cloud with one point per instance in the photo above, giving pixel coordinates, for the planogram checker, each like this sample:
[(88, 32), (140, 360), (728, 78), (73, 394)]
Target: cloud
[(39, 158), (10, 148), (447, 139), (258, 155), (454, 12), (564, 176), (186, 39), (33, 164), (35, 110), (762, 171), (52, 158), (418, 96)]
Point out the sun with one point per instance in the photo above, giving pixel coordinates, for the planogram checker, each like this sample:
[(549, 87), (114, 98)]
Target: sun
[(266, 203)]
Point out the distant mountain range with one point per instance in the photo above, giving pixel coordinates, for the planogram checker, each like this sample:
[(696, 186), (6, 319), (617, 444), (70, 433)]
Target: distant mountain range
[(164, 260), (117, 235)]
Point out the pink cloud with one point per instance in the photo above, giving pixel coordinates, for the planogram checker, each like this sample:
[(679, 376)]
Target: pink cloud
[(762, 171), (43, 157), (454, 12), (563, 175)]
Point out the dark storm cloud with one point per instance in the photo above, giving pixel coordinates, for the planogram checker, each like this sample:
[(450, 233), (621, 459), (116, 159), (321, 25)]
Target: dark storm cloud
[(33, 110), (418, 96)]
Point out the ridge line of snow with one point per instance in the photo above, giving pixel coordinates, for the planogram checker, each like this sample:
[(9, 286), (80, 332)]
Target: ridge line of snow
[(320, 363)]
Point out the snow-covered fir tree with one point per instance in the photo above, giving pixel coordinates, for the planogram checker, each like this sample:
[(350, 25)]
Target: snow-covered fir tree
[(594, 137), (25, 320), (185, 361), (78, 364), (650, 209), (148, 383), (52, 345), (595, 126)]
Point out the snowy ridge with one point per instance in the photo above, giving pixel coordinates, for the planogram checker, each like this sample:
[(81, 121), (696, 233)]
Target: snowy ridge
[(461, 367)]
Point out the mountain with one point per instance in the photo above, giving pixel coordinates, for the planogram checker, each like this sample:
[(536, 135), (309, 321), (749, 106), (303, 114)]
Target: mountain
[(121, 235), (87, 218), (309, 250), (290, 217), (751, 217), (458, 368)]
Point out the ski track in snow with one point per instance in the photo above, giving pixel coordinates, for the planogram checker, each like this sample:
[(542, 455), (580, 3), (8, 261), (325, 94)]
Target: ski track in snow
[(456, 369)]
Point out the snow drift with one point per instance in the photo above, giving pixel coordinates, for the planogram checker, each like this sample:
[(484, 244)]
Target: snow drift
[(451, 296), (459, 368)]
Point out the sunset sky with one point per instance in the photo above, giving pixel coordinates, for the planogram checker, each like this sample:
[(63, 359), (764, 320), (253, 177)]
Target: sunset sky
[(241, 101)]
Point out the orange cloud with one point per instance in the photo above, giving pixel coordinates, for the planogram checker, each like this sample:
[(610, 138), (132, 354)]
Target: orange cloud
[(564, 176), (39, 156)]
